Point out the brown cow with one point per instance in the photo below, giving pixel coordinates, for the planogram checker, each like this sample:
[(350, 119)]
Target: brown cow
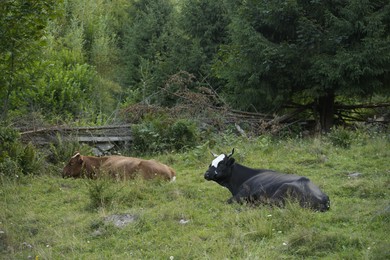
[(116, 166)]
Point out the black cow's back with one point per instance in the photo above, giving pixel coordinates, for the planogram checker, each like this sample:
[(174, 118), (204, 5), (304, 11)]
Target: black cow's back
[(274, 187), (269, 181)]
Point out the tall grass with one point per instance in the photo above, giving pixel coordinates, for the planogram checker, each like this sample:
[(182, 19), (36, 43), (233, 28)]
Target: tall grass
[(52, 218)]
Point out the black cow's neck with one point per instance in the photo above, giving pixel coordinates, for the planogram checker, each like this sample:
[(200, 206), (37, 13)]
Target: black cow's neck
[(239, 175)]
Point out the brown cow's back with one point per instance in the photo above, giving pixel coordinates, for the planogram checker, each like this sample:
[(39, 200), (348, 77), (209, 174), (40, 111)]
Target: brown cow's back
[(119, 167), (151, 168)]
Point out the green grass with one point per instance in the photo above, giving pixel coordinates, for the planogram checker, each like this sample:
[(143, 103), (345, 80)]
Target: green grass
[(53, 218)]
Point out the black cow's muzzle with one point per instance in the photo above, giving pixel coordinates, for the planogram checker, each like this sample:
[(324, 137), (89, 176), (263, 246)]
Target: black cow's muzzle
[(210, 174)]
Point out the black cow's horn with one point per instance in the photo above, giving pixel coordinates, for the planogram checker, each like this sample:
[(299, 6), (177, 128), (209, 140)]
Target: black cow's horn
[(213, 154), (231, 153)]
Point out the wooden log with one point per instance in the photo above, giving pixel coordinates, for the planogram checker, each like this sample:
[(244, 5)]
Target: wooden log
[(103, 139), (90, 135)]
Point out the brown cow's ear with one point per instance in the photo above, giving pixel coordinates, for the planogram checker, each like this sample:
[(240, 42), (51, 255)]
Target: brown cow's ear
[(78, 157)]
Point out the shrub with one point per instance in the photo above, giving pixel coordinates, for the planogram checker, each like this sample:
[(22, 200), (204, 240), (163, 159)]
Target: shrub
[(8, 142), (15, 157), (61, 151), (184, 135), (162, 134), (341, 137), (102, 193)]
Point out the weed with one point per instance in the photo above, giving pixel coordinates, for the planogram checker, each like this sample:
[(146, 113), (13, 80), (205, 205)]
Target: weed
[(61, 150), (101, 193)]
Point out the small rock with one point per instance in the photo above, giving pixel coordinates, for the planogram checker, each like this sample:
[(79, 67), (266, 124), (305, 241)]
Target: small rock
[(183, 221), (121, 220), (25, 244), (354, 175), (96, 233)]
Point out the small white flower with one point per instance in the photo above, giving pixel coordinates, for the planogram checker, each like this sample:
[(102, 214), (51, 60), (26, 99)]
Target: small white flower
[(285, 243)]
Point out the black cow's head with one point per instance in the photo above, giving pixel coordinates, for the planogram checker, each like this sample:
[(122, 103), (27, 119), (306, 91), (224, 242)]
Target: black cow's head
[(220, 167)]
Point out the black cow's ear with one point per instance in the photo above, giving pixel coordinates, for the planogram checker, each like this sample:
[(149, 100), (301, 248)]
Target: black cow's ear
[(231, 161), (231, 153)]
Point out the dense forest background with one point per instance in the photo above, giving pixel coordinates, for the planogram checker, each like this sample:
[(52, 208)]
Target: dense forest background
[(83, 61)]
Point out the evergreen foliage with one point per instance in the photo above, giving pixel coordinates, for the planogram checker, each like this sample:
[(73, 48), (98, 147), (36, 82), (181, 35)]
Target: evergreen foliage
[(80, 60), (16, 158), (22, 25), (159, 134), (204, 27), (147, 42), (284, 51)]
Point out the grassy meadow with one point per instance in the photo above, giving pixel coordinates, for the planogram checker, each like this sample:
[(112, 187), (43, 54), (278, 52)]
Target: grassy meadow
[(47, 217)]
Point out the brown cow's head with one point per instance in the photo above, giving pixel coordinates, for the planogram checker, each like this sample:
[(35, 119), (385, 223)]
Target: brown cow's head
[(74, 168)]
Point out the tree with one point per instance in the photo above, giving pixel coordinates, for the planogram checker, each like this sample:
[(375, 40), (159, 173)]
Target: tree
[(284, 51), (204, 25), (22, 24), (146, 46), (164, 38)]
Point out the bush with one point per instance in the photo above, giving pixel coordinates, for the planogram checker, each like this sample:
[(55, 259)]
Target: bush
[(61, 151), (15, 157), (184, 134), (162, 134), (341, 137), (100, 194)]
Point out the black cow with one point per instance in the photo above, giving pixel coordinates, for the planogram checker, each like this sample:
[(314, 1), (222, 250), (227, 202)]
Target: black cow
[(264, 186)]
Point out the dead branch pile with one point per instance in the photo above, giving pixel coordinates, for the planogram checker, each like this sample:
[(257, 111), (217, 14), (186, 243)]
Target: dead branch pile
[(204, 105)]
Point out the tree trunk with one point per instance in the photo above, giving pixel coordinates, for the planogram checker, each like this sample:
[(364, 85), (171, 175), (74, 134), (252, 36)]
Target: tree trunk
[(326, 110)]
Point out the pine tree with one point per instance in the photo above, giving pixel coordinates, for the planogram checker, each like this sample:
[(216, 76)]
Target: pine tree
[(146, 45), (281, 51)]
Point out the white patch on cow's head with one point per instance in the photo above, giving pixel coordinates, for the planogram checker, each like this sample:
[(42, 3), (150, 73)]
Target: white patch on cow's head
[(217, 160), (77, 154)]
